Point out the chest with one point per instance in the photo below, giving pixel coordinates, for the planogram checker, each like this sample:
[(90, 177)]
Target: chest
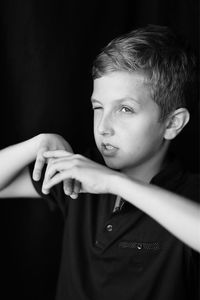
[(127, 230)]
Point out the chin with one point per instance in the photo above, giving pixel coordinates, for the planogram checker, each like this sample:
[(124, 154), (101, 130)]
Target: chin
[(113, 163)]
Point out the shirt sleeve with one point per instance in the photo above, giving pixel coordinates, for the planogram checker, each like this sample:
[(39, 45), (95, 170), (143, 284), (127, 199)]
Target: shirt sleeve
[(56, 197)]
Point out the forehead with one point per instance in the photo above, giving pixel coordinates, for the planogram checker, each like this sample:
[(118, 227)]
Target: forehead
[(121, 84)]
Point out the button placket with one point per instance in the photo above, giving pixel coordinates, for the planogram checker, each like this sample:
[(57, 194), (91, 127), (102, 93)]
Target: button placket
[(110, 231)]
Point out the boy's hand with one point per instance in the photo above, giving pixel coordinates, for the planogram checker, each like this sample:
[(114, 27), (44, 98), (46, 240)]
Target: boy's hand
[(50, 142), (93, 177)]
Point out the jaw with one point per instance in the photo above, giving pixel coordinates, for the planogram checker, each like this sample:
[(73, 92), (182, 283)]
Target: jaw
[(147, 169)]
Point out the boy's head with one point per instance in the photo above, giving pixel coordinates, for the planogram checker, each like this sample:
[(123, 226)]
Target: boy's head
[(160, 55), (138, 98)]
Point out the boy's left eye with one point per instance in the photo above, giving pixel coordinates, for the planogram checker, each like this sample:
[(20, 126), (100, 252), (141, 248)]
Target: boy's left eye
[(126, 109)]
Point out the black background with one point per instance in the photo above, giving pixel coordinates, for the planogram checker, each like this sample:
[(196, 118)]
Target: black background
[(47, 50)]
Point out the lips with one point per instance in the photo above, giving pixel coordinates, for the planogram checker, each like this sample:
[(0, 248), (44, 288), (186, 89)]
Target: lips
[(108, 149)]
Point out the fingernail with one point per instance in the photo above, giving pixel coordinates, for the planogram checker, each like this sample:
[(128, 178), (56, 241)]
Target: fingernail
[(36, 177), (67, 192), (45, 191), (74, 196)]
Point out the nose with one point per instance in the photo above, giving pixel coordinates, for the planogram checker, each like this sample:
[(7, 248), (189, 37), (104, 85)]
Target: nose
[(105, 125)]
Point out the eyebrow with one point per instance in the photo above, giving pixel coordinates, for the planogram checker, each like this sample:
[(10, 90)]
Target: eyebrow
[(118, 100)]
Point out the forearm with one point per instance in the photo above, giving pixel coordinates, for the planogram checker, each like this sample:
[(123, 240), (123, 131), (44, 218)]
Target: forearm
[(14, 159), (177, 214)]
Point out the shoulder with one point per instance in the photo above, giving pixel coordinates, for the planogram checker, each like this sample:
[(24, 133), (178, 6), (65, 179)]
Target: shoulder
[(175, 177), (190, 185)]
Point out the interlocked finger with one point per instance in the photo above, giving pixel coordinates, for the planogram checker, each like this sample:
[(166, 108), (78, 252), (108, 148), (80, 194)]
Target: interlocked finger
[(76, 189), (68, 186), (46, 177), (57, 153), (39, 165)]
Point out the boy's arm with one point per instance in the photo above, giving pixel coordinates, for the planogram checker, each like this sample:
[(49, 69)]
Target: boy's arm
[(177, 214), (20, 187), (15, 180)]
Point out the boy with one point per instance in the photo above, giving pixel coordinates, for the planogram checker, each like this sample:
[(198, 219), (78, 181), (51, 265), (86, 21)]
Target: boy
[(112, 248)]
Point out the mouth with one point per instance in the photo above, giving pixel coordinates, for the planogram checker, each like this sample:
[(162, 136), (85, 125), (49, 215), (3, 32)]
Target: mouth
[(108, 149)]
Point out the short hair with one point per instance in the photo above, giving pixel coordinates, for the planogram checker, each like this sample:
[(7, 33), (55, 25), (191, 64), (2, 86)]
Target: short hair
[(164, 57)]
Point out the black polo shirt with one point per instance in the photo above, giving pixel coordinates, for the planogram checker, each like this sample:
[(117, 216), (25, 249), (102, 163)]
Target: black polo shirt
[(124, 255)]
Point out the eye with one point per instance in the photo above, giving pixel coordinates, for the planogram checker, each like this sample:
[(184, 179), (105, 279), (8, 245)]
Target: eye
[(127, 109), (96, 107)]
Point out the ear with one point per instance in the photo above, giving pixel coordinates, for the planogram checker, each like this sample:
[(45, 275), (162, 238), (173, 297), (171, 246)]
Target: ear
[(176, 122)]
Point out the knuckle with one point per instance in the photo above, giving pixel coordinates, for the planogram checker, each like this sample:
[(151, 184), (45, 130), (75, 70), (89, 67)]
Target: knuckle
[(40, 159), (78, 156), (51, 161), (77, 159), (67, 182)]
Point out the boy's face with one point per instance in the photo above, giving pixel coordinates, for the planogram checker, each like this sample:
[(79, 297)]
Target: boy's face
[(126, 120)]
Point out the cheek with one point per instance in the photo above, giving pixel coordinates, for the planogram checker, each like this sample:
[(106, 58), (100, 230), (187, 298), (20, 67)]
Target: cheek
[(94, 123), (153, 137), (95, 129), (96, 119), (142, 134)]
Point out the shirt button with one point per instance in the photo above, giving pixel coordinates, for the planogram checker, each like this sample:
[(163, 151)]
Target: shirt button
[(109, 227), (139, 246)]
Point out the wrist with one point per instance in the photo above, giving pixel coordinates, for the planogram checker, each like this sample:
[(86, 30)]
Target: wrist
[(116, 183), (34, 144)]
